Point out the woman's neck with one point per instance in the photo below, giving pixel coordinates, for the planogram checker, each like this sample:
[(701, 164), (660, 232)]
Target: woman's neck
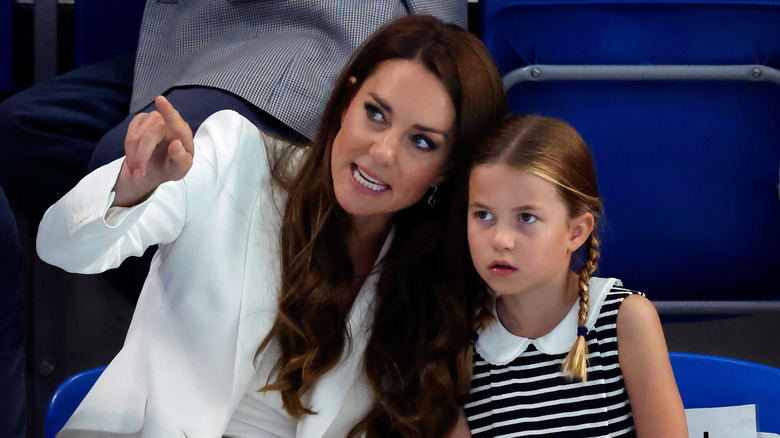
[(532, 314), (364, 242)]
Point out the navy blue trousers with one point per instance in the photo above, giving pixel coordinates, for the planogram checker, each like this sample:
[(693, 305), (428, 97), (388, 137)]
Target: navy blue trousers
[(12, 327)]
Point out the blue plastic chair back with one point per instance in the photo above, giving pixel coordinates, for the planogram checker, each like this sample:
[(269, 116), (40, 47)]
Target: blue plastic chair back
[(105, 28), (688, 170), (711, 381), (6, 44), (67, 397)]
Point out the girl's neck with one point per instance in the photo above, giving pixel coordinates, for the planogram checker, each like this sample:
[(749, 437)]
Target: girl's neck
[(533, 314)]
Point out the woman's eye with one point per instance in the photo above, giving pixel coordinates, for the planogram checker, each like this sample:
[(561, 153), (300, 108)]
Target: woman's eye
[(423, 142), (373, 113), (527, 218), (483, 215)]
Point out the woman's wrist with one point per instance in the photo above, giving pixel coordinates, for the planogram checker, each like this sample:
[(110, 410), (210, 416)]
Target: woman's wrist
[(129, 191)]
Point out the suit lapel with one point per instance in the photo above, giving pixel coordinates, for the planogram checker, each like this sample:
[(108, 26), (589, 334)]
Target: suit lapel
[(329, 393)]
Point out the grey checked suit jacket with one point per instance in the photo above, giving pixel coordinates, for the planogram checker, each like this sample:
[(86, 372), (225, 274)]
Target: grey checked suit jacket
[(280, 55)]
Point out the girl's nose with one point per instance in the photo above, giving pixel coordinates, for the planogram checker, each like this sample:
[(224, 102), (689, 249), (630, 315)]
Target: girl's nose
[(502, 239)]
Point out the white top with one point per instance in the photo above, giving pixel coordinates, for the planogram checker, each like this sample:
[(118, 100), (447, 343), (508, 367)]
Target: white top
[(210, 297), (519, 389), (499, 346)]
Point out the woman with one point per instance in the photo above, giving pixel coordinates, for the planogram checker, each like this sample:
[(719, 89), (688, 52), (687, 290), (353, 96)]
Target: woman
[(358, 326)]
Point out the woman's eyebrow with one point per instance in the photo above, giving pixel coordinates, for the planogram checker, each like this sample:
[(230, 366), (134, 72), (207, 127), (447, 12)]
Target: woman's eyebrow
[(429, 129), (382, 103), (386, 106)]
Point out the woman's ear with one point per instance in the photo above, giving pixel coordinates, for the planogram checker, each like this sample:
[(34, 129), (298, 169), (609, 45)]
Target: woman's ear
[(444, 175), (580, 228), (352, 82)]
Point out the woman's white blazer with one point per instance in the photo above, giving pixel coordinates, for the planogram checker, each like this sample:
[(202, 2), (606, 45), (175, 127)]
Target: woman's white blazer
[(210, 297)]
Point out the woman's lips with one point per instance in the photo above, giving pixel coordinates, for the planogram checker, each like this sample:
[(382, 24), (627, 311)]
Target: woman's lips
[(500, 268), (361, 177)]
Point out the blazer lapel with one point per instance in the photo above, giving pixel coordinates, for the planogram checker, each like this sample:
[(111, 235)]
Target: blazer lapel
[(260, 288), (329, 393)]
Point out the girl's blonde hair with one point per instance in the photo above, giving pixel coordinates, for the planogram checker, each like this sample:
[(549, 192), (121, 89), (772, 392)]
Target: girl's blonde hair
[(551, 149)]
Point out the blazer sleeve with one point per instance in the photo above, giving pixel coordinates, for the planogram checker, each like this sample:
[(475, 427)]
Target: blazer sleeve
[(82, 233)]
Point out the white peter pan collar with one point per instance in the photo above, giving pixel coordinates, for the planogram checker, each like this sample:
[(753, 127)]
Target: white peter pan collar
[(499, 346)]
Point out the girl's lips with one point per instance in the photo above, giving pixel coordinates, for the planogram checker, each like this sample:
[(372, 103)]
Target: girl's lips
[(500, 268)]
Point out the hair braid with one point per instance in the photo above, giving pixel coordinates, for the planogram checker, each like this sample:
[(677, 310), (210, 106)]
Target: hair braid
[(575, 365)]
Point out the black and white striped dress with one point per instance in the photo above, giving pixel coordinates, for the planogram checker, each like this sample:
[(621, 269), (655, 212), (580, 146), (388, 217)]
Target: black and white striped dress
[(518, 389)]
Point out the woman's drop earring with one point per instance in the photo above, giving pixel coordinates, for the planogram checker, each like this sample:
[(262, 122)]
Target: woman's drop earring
[(432, 198)]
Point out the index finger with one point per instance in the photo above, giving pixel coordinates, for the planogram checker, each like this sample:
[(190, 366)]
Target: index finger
[(169, 113), (173, 120)]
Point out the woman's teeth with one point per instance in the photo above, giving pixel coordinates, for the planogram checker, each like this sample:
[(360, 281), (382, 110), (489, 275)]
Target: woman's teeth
[(367, 181)]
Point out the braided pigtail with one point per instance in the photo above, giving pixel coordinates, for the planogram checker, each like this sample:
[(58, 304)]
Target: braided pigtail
[(575, 365)]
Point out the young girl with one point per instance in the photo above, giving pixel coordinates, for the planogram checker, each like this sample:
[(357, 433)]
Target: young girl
[(559, 353)]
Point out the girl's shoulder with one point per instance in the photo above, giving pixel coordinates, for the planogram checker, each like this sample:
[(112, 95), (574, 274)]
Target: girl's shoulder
[(609, 293), (605, 296), (630, 304)]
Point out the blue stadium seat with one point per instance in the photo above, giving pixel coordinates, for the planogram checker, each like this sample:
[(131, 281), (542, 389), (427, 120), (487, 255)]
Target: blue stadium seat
[(105, 28), (688, 168), (67, 397), (6, 44), (711, 381)]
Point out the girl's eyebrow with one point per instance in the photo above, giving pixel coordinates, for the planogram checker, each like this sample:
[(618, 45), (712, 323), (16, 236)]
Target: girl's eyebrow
[(478, 205), (514, 210)]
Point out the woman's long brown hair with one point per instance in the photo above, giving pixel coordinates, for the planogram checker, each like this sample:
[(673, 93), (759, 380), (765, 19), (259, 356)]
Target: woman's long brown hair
[(415, 357)]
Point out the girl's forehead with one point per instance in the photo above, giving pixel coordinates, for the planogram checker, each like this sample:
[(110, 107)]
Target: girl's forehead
[(499, 171), (512, 185)]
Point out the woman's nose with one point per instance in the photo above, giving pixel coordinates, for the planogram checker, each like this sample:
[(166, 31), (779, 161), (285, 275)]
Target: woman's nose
[(385, 148)]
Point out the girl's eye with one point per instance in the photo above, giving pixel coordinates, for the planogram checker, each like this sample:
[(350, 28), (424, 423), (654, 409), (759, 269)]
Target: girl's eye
[(423, 142), (373, 113), (483, 215), (527, 218)]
